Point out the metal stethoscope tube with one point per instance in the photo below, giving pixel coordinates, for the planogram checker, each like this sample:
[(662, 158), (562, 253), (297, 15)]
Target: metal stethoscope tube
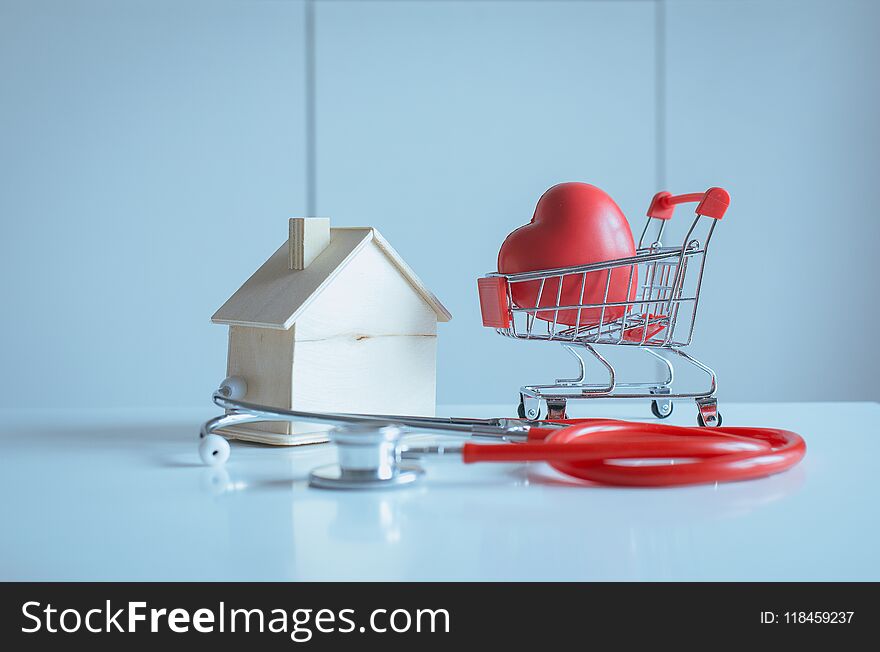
[(372, 453)]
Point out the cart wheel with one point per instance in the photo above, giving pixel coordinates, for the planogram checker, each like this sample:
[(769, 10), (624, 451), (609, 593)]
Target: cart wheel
[(655, 408), (521, 411), (702, 423)]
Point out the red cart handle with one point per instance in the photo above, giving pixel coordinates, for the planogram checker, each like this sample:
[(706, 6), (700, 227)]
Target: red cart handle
[(712, 203)]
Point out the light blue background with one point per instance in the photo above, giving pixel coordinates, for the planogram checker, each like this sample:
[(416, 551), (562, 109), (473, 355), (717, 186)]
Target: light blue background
[(151, 151)]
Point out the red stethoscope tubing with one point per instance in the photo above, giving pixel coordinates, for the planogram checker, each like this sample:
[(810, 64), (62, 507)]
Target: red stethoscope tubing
[(597, 450)]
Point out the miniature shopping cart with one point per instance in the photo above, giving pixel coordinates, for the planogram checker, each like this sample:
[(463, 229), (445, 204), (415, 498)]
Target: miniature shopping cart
[(656, 312)]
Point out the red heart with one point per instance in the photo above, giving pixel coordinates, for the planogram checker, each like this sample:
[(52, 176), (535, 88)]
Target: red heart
[(574, 224)]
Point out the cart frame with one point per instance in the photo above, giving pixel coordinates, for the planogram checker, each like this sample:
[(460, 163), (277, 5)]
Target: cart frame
[(658, 315)]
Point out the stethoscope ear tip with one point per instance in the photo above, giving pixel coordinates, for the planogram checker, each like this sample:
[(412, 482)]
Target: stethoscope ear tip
[(214, 450), (233, 387)]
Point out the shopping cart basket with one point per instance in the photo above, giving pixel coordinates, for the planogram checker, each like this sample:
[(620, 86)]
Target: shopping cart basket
[(657, 314)]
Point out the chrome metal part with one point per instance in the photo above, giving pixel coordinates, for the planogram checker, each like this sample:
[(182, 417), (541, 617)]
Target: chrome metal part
[(658, 316)]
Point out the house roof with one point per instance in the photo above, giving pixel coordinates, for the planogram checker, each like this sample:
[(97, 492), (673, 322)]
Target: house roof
[(275, 296)]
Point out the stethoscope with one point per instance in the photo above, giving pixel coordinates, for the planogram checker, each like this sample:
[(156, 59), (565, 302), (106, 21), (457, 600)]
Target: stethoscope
[(373, 454)]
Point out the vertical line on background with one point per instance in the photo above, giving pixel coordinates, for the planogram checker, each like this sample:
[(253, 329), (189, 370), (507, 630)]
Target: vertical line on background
[(660, 104), (311, 137), (660, 92)]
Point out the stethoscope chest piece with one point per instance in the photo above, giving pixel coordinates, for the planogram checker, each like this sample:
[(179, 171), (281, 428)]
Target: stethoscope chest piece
[(368, 458)]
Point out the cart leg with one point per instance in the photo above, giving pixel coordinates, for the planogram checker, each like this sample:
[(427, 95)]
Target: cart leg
[(713, 379), (667, 365), (612, 376), (582, 369)]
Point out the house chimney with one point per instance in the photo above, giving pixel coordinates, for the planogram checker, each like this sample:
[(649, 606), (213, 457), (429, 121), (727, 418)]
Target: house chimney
[(309, 236)]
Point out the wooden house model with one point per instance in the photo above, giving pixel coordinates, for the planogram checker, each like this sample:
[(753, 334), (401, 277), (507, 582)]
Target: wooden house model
[(334, 321)]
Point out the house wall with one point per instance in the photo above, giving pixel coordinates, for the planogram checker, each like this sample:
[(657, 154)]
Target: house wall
[(368, 343), (263, 357)]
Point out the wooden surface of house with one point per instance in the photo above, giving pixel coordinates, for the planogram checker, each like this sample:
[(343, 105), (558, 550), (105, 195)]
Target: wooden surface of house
[(338, 323)]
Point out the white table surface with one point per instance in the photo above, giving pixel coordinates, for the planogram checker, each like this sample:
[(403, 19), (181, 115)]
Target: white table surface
[(121, 495)]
